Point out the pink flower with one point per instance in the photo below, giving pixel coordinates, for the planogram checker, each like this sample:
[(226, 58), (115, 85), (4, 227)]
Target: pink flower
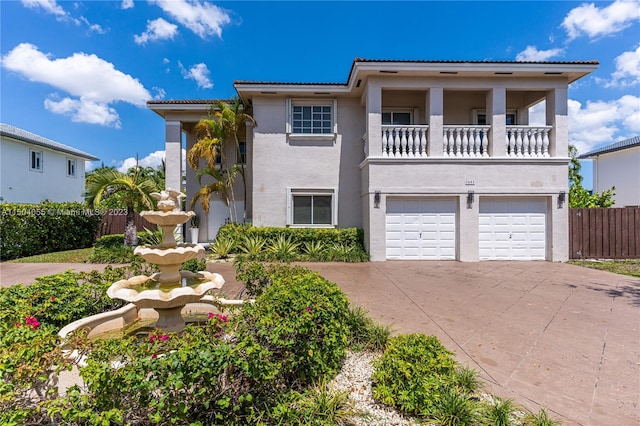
[(53, 298), (32, 321), (163, 337), (308, 308), (152, 338), (221, 317), (154, 356), (211, 315)]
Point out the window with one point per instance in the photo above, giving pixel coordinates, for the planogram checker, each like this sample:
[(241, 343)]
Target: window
[(311, 208), (71, 167), (480, 117), (242, 148), (311, 117), (396, 117), (35, 158)]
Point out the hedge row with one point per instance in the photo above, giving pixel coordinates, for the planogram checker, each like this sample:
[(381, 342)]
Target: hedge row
[(350, 237), (30, 229)]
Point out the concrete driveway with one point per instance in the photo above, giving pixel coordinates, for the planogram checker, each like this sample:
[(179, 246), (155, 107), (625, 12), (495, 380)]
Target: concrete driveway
[(545, 334)]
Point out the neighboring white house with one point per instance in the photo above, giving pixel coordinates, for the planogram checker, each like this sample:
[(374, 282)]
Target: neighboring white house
[(34, 169), (433, 160), (618, 165)]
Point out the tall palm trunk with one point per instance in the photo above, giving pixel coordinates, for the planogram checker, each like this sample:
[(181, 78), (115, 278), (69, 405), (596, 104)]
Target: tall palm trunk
[(130, 231)]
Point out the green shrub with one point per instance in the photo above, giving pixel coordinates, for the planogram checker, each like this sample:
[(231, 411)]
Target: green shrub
[(455, 409), (30, 229), (365, 334), (540, 419), (252, 246), (254, 276), (301, 322), (194, 265), (414, 373), (499, 412), (222, 247), (310, 243), (111, 248)]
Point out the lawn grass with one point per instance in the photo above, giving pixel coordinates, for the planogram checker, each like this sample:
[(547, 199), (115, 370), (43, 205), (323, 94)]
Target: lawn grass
[(69, 256), (629, 267)]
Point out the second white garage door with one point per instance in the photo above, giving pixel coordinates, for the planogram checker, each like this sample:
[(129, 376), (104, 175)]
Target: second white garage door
[(512, 229), (421, 229)]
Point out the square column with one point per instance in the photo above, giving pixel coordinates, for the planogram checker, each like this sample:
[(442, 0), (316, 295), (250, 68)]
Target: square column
[(173, 148), (435, 116), (496, 113), (557, 116), (374, 121)]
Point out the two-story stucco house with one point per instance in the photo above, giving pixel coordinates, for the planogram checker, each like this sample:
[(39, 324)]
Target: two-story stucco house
[(434, 160), (34, 168), (618, 164)]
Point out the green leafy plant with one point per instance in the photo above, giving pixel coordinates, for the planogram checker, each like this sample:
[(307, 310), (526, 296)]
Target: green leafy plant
[(499, 412), (314, 250), (195, 221), (467, 379), (252, 246), (221, 247), (365, 334), (454, 409), (150, 237), (254, 276), (413, 374), (194, 265), (540, 419), (283, 249)]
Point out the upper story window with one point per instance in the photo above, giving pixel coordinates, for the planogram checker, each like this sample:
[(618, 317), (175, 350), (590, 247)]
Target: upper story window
[(396, 118), (311, 117), (35, 160), (71, 167), (480, 117)]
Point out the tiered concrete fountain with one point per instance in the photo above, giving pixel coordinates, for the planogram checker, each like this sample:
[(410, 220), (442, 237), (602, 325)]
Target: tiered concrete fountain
[(168, 291)]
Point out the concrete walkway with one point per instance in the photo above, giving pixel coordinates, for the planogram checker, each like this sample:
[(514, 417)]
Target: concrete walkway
[(545, 334)]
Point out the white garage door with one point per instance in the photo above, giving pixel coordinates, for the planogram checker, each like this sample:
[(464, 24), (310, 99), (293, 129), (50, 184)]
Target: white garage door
[(421, 229), (512, 229)]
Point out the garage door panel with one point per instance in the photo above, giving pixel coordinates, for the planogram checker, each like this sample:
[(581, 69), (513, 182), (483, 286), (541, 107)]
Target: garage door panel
[(512, 229), (420, 229)]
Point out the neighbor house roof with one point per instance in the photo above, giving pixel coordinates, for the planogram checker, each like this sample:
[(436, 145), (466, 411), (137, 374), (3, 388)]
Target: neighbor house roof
[(618, 146), (31, 138)]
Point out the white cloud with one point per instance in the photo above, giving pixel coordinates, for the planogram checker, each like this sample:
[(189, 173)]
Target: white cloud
[(596, 22), (126, 4), (93, 27), (152, 160), (92, 81), (532, 54), (538, 114), (202, 18), (158, 29), (602, 122), (49, 6), (627, 71), (84, 111), (199, 73), (160, 93)]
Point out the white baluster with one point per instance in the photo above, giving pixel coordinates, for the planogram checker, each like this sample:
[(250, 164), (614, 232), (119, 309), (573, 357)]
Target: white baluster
[(465, 142), (385, 142), (545, 143), (474, 143), (537, 142), (423, 142), (445, 143), (484, 142), (519, 142), (511, 141), (412, 142), (457, 143), (403, 142)]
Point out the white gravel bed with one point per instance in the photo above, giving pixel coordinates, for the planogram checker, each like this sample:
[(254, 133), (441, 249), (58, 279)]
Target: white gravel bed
[(355, 379)]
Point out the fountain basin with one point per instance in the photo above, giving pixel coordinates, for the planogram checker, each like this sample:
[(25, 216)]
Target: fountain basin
[(165, 295), (170, 218), (170, 260)]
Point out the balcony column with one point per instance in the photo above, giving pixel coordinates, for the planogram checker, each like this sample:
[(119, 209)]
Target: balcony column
[(173, 147), (434, 110), (374, 120), (496, 112), (557, 117)]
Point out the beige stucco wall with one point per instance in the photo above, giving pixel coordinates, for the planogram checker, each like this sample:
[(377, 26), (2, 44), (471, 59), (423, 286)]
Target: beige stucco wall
[(282, 163), (622, 170)]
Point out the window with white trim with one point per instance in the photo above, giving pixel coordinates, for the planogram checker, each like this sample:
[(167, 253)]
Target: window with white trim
[(311, 117), (480, 117), (35, 160), (396, 117), (71, 167), (311, 207)]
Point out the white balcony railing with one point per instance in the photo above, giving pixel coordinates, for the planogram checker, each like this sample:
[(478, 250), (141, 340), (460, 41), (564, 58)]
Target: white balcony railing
[(404, 141), (528, 141), (465, 141)]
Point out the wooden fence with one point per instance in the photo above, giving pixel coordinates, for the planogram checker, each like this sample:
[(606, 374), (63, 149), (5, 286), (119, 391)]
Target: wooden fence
[(115, 220), (612, 233)]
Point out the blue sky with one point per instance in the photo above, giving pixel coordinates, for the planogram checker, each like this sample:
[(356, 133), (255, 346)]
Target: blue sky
[(80, 72)]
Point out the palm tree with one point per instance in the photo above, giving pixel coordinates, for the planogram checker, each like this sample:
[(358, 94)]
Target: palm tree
[(133, 190), (223, 122)]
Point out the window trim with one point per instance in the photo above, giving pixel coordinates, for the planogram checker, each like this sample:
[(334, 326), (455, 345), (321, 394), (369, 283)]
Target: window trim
[(292, 192), (411, 112), (74, 162), (40, 158), (482, 111), (239, 159), (291, 102)]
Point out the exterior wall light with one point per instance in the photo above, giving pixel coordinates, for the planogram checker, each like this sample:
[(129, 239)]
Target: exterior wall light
[(470, 196), (561, 199), (376, 200)]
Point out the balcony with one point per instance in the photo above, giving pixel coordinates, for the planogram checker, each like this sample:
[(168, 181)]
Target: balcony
[(463, 141)]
